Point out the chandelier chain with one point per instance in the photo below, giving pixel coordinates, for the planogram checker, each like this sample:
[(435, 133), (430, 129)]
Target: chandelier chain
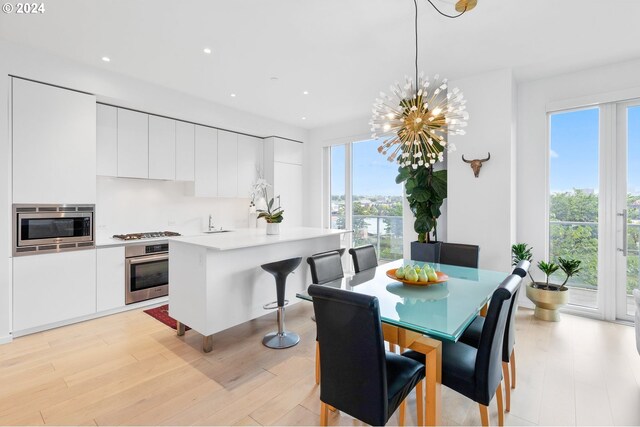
[(444, 14)]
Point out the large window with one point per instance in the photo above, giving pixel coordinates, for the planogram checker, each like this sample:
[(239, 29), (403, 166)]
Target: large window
[(574, 198), (365, 197)]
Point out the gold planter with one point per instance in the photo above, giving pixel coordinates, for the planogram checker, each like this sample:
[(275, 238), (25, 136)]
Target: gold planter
[(547, 302)]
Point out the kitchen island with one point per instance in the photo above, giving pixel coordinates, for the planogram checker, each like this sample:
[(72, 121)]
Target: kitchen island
[(215, 281)]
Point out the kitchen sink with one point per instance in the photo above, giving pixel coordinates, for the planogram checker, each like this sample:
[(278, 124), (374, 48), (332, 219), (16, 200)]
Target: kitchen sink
[(219, 230)]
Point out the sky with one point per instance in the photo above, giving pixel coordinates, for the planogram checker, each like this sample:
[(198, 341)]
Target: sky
[(573, 157), (574, 150)]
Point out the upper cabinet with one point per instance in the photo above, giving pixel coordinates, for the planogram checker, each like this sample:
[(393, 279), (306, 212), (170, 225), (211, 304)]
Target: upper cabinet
[(286, 151), (133, 144), (107, 140), (227, 164), (185, 151), (162, 148), (220, 163), (250, 153), (206, 162), (54, 144)]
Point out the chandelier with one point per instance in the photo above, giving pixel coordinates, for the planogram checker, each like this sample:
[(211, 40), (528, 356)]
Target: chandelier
[(415, 119)]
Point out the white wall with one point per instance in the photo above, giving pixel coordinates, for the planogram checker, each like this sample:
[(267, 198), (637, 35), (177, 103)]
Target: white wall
[(481, 210), (120, 90), (603, 84), (135, 205)]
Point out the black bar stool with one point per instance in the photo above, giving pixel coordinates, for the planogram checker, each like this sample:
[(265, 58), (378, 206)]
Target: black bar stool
[(280, 271)]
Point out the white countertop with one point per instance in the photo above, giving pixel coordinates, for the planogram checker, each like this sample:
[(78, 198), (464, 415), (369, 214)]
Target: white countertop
[(250, 237)]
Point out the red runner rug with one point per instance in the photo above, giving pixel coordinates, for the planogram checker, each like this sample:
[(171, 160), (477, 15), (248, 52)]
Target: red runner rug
[(162, 314)]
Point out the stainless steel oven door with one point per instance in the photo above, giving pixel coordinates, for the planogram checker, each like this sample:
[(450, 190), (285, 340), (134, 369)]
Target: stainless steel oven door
[(53, 228), (146, 277)]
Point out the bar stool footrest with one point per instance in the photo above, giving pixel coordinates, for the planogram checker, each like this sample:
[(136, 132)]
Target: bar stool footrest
[(274, 304)]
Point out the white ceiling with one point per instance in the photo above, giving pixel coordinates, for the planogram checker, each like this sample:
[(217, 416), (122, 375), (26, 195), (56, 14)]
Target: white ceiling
[(342, 52)]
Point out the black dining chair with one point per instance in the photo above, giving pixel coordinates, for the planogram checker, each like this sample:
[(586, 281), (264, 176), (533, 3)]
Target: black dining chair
[(359, 377), (476, 372), (364, 258), (325, 267), (472, 334), (459, 254)]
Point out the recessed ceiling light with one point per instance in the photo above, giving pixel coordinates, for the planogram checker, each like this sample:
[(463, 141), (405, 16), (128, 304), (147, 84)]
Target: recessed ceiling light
[(233, 95), (206, 50), (106, 59), (306, 92), (274, 79), (304, 118)]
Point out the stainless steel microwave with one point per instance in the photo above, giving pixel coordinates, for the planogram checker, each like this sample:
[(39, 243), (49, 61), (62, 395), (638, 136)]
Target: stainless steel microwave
[(52, 228)]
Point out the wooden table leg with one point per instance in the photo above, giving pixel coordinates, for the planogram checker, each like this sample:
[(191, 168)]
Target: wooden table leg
[(483, 310), (432, 349)]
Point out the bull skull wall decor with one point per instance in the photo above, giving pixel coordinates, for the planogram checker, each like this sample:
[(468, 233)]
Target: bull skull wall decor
[(476, 164)]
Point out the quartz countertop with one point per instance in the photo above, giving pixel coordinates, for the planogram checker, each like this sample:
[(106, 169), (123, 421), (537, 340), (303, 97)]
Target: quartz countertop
[(251, 237)]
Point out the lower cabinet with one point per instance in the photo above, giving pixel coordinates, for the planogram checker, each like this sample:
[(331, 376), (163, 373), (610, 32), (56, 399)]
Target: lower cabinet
[(51, 288), (110, 282)]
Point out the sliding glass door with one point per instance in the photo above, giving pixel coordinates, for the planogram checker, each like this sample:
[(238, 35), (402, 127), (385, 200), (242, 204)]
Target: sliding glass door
[(628, 207), (364, 197), (574, 199)]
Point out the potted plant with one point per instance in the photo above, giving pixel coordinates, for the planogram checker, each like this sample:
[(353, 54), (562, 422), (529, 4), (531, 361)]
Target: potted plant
[(426, 190), (273, 216), (547, 297)]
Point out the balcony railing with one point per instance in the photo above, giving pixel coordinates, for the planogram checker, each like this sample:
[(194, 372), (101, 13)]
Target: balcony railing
[(383, 232)]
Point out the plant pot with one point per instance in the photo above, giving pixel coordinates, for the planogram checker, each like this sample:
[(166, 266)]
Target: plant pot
[(273, 228), (427, 252), (547, 302)]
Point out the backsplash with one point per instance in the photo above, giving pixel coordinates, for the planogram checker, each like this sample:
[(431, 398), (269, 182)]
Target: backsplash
[(138, 205)]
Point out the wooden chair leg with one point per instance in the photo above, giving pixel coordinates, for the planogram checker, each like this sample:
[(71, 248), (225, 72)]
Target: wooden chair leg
[(512, 362), (507, 386), (420, 403), (500, 407), (484, 415), (402, 408), (317, 362), (324, 414)]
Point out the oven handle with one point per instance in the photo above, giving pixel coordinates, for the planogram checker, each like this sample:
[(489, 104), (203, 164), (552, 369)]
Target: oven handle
[(147, 258)]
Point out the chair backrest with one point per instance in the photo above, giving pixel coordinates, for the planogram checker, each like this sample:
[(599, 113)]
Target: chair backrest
[(325, 267), (509, 340), (488, 369), (459, 254), (364, 258), (353, 370), (522, 268)]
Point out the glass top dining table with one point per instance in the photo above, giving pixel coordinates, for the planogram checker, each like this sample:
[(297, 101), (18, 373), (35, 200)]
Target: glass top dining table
[(442, 310)]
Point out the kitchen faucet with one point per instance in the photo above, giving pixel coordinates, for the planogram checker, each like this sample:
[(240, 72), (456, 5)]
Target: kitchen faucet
[(211, 222)]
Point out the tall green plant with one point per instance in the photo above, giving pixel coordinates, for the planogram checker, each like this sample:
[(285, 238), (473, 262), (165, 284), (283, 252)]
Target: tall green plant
[(426, 190)]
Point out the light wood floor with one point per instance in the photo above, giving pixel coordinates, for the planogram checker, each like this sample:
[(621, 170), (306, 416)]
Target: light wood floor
[(131, 369)]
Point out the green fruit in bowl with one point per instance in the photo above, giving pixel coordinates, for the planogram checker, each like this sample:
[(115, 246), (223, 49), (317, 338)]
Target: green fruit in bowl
[(422, 276), (411, 275), (400, 273), (433, 277)]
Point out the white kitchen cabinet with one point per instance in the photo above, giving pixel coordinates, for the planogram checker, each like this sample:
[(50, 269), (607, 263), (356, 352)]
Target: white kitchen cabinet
[(51, 288), (206, 162), (286, 151), (110, 278), (227, 164), (54, 144), (162, 148), (287, 183), (107, 140), (185, 151), (250, 152), (133, 144)]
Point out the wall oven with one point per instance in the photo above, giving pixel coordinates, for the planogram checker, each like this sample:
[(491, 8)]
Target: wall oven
[(146, 272), (52, 228)]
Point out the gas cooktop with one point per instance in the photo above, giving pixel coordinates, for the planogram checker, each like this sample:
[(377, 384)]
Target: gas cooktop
[(149, 235)]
